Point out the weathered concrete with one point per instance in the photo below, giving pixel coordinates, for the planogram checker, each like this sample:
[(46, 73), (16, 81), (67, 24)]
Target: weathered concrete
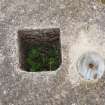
[(82, 25)]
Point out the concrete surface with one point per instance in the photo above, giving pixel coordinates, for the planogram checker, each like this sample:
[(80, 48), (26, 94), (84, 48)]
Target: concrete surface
[(82, 26)]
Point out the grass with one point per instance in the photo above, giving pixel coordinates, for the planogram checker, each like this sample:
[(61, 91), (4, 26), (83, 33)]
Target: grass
[(43, 57)]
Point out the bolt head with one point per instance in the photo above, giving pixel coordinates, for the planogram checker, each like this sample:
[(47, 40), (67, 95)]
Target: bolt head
[(91, 66)]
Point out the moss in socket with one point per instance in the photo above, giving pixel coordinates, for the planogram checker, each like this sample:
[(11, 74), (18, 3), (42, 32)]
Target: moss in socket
[(39, 50)]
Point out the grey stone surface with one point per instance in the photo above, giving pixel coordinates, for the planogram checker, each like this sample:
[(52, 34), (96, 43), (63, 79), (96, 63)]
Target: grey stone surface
[(82, 25)]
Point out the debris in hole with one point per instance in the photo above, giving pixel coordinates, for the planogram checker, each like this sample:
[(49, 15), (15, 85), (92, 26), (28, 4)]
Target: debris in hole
[(39, 49)]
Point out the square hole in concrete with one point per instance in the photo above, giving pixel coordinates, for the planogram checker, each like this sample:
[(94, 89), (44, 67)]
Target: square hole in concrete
[(39, 50)]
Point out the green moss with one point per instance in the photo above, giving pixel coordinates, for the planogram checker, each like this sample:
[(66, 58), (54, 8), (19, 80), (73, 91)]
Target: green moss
[(103, 1), (43, 58)]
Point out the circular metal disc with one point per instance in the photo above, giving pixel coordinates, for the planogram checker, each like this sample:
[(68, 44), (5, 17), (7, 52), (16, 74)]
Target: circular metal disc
[(91, 66)]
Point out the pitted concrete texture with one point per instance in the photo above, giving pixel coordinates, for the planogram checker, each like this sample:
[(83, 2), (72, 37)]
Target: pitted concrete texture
[(82, 26)]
